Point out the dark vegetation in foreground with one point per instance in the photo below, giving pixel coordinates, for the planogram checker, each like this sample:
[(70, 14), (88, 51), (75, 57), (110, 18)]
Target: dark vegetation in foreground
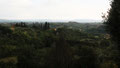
[(56, 45)]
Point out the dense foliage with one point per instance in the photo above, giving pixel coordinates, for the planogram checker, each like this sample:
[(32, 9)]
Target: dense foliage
[(49, 46)]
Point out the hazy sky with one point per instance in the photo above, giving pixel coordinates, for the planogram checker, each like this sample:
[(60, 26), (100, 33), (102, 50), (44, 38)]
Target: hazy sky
[(52, 9)]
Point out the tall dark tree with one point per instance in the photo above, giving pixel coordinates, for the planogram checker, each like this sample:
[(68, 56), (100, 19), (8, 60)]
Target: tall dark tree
[(113, 23), (61, 56), (46, 26), (41, 26)]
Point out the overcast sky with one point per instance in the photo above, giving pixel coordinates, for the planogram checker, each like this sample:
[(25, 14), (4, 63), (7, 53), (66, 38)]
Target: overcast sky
[(53, 9)]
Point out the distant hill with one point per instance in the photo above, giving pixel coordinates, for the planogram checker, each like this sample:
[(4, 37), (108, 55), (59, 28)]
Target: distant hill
[(3, 20), (8, 21), (86, 20), (50, 20)]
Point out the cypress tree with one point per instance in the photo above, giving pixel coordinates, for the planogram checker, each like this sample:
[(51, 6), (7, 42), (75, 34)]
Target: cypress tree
[(113, 21), (61, 54), (113, 25)]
